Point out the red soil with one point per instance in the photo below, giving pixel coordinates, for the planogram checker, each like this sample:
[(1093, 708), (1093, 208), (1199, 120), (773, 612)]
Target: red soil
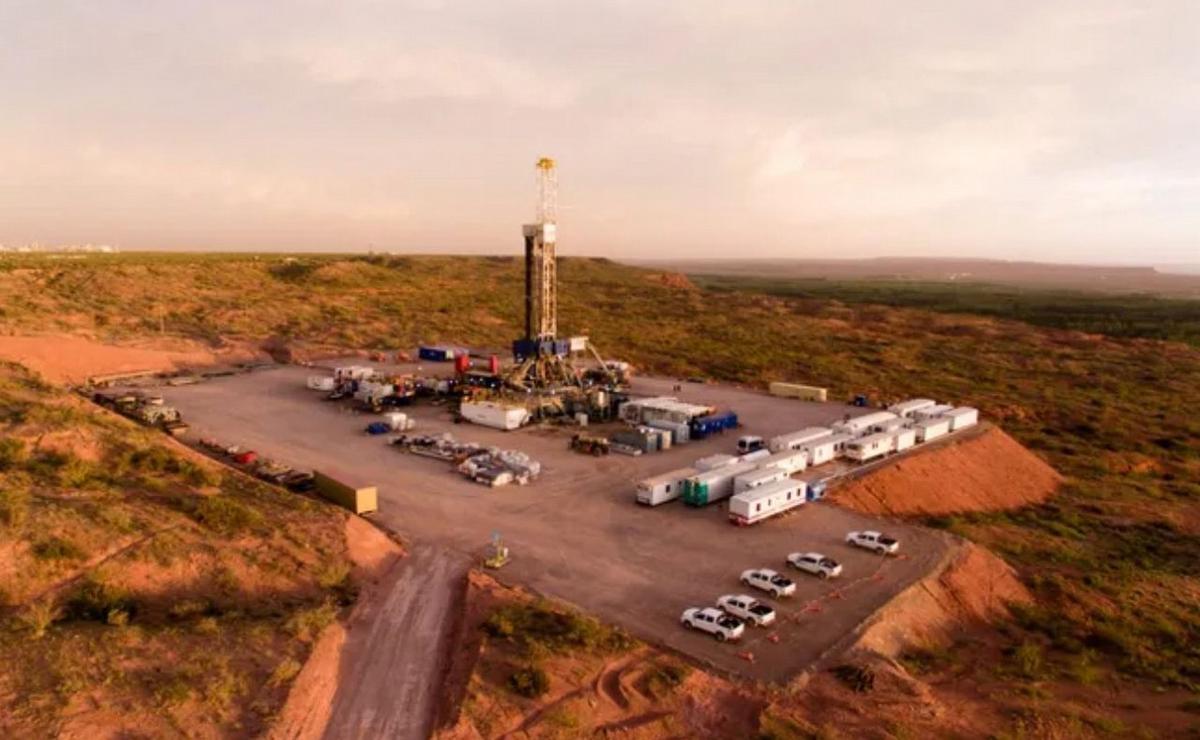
[(986, 472)]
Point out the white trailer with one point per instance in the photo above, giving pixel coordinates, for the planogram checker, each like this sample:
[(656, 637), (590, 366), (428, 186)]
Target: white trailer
[(907, 408), (713, 485), (820, 451), (793, 440), (659, 489), (891, 425), (711, 462), (870, 447), (861, 425), (495, 415), (756, 456), (930, 429), (759, 503), (903, 439), (680, 432), (759, 477), (789, 461), (962, 417), (932, 412)]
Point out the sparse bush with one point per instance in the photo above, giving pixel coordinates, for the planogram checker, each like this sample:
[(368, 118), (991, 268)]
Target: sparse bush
[(529, 682), (306, 624), (1028, 660), (223, 514), (14, 507), (188, 608), (56, 548), (858, 678), (540, 627), (95, 599), (13, 453), (38, 616), (285, 671)]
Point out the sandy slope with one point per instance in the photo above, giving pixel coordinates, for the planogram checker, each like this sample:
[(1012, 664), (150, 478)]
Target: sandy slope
[(72, 359)]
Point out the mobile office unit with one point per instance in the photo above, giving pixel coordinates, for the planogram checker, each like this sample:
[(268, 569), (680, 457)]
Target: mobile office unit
[(794, 440), (907, 408), (891, 425), (338, 488), (713, 485), (861, 425), (820, 451), (766, 501), (870, 447), (930, 429), (903, 439), (756, 456), (659, 489), (932, 412), (759, 477), (710, 462), (962, 417), (789, 461)]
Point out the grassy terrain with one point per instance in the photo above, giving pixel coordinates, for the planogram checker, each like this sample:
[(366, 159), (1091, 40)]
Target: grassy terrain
[(139, 581), (1113, 559)]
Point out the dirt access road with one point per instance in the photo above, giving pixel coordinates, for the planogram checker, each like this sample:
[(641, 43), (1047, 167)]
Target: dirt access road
[(389, 677), (576, 533)]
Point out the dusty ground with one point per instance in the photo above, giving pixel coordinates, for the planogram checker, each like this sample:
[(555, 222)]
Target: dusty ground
[(986, 472), (576, 533)]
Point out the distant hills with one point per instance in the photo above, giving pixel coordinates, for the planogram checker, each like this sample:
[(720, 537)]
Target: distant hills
[(1174, 280)]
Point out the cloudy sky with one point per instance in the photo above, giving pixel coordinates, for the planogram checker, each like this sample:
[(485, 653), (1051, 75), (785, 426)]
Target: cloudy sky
[(1046, 130)]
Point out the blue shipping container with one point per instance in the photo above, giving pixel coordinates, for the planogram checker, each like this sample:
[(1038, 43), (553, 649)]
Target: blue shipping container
[(705, 425)]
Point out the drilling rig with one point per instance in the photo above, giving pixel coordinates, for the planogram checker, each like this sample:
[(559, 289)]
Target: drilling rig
[(542, 361)]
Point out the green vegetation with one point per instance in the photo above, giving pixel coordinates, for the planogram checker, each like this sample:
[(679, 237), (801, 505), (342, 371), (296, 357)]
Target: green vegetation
[(529, 681), (542, 628)]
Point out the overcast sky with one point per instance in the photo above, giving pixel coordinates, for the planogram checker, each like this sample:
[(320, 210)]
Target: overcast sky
[(1046, 130)]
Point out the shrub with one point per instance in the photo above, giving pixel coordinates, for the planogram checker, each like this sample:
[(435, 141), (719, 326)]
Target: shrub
[(306, 624), (13, 453), (223, 513), (662, 678), (56, 548), (529, 681), (38, 616), (540, 627), (858, 678), (284, 672), (96, 600), (1028, 660), (14, 507)]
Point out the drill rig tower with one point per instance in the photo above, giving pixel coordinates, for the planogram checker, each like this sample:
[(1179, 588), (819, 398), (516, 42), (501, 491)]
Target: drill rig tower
[(541, 261)]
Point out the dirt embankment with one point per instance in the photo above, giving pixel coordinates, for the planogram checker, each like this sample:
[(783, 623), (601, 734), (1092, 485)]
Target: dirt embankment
[(973, 587), (987, 472), (61, 358)]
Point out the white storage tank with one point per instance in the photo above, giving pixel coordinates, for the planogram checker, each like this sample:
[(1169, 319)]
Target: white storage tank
[(962, 417), (907, 408), (759, 477), (903, 439), (870, 447), (710, 462), (793, 440), (766, 501), (659, 489), (495, 415), (930, 429)]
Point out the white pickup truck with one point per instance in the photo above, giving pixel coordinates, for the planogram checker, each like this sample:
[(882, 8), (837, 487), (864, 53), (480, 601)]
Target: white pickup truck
[(768, 580), (748, 608), (874, 541), (713, 621), (815, 563)]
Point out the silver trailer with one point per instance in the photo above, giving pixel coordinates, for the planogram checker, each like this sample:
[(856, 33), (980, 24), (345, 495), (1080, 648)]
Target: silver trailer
[(659, 489)]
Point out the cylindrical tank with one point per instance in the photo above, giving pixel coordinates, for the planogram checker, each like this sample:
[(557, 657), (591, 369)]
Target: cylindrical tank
[(494, 365), (461, 363)]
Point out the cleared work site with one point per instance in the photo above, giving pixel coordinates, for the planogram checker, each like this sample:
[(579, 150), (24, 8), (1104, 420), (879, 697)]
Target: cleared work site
[(576, 534)]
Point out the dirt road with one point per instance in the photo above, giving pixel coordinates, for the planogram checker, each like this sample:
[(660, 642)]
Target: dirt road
[(390, 671)]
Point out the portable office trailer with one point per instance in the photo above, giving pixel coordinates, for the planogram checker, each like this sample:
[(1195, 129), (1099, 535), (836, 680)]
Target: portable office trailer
[(757, 456), (802, 392), (709, 462), (759, 503), (903, 439), (907, 408), (794, 440), (789, 461), (962, 417), (679, 432), (345, 491), (713, 485), (659, 489), (930, 429), (759, 477), (891, 425), (932, 412), (861, 425), (870, 446)]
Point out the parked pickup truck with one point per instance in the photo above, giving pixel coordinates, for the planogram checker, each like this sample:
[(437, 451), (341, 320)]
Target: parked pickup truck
[(713, 621), (874, 541), (768, 580), (748, 608), (815, 563)]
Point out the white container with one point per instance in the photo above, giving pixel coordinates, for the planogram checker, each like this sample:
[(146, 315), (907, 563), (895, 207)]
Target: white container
[(399, 422), (962, 417), (756, 478), (870, 447), (659, 489), (794, 440), (861, 425), (680, 433), (495, 415), (891, 425), (930, 429), (766, 501), (578, 344), (711, 462), (718, 482), (789, 461), (321, 383), (756, 456), (903, 439), (909, 407), (932, 412), (795, 390)]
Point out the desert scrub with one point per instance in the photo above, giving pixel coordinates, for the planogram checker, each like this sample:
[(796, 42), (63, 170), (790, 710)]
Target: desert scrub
[(14, 507), (95, 599), (529, 681), (13, 453), (56, 548), (222, 513), (284, 672), (542, 628), (306, 624), (38, 616)]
